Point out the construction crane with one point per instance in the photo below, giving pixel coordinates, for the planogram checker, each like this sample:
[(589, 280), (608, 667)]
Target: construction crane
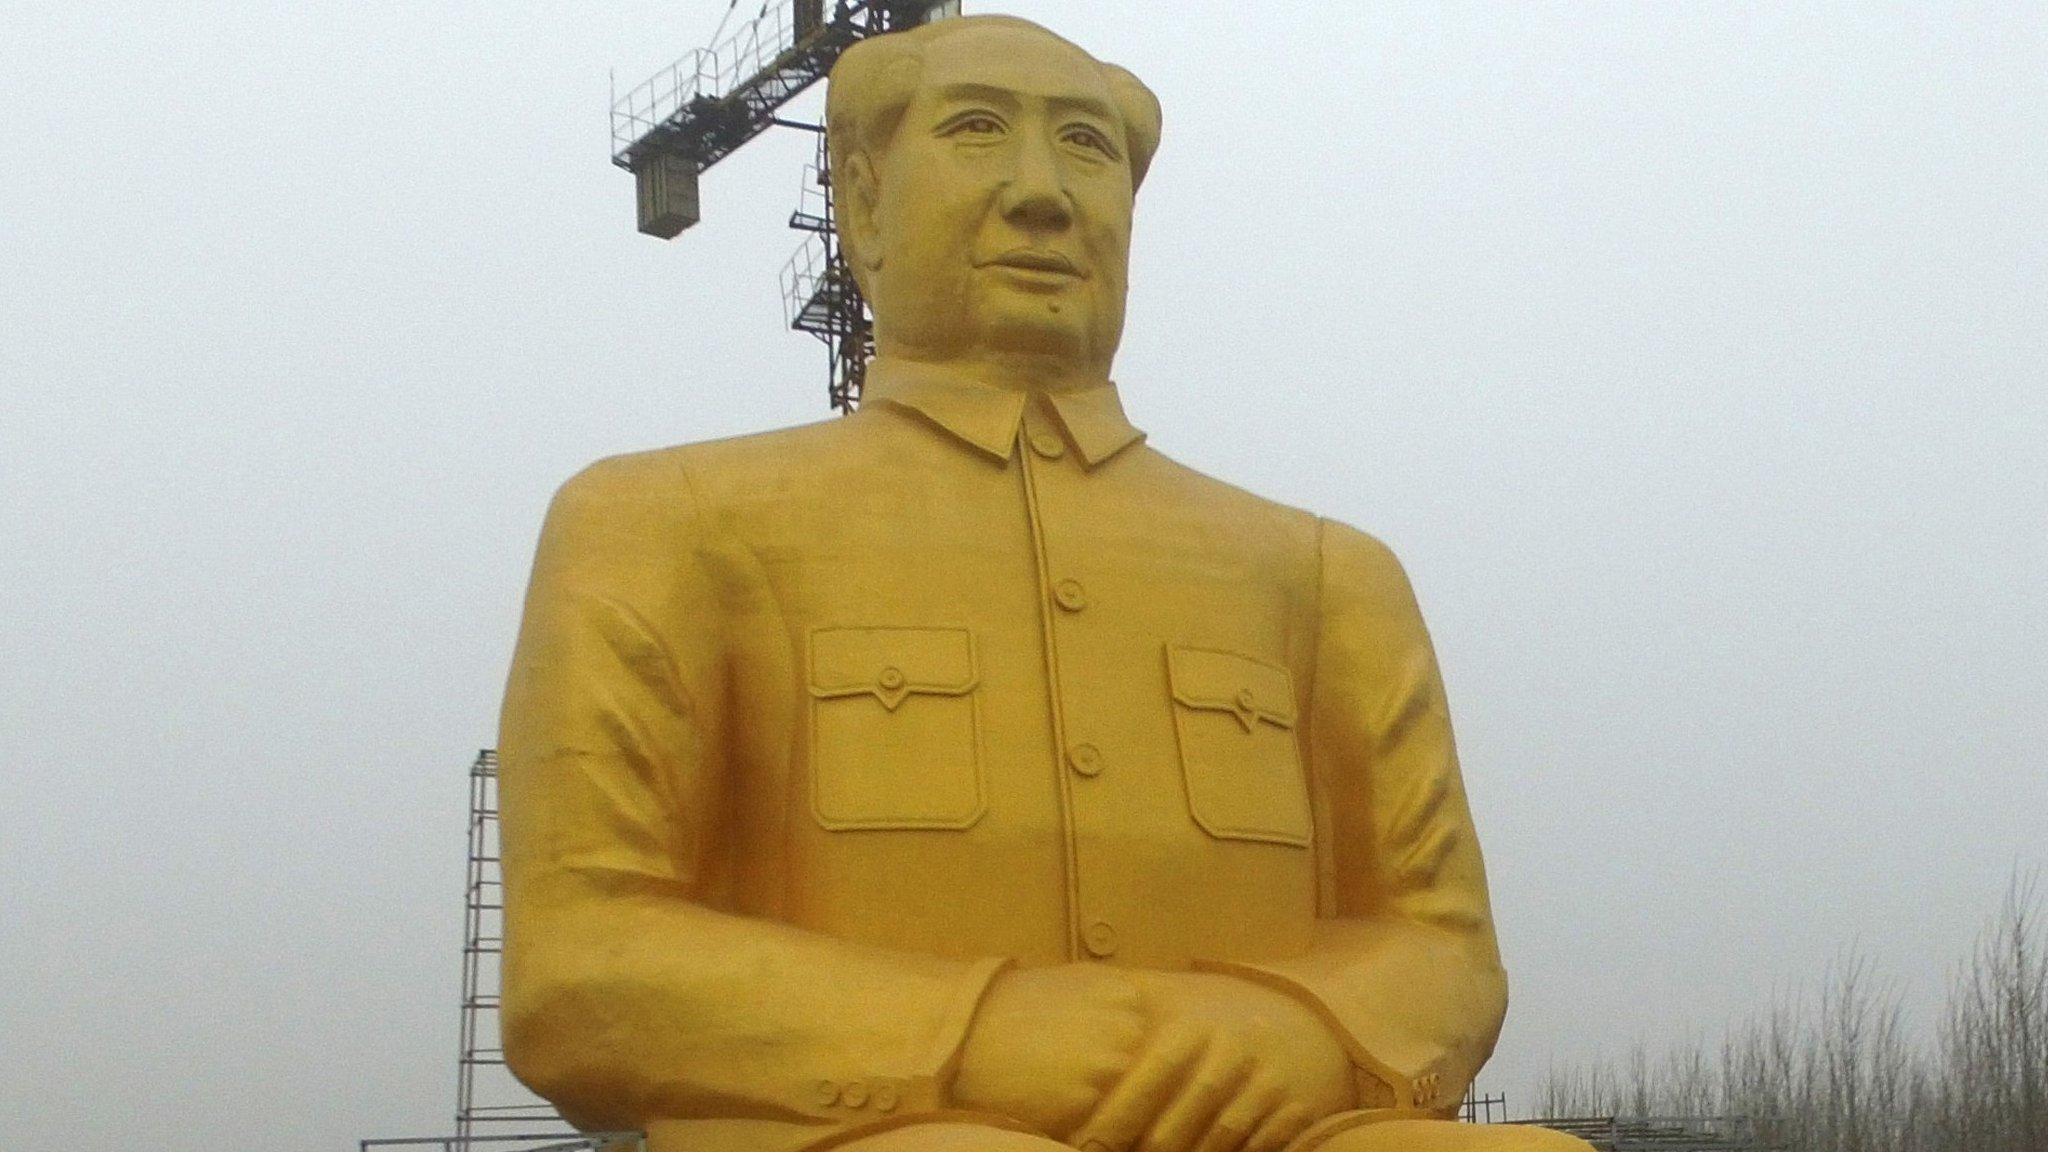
[(699, 110)]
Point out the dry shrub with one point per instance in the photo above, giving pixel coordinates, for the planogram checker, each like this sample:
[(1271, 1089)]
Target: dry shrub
[(1841, 1074)]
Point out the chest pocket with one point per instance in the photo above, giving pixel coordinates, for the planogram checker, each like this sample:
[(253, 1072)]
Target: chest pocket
[(1235, 717), (895, 728)]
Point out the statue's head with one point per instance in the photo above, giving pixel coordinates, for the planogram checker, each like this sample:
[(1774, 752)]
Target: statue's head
[(983, 177)]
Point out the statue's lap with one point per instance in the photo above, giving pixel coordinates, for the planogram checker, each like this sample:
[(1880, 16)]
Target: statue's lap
[(1451, 1136), (1387, 1136)]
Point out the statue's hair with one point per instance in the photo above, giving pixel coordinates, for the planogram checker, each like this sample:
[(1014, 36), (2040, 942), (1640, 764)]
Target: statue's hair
[(875, 79)]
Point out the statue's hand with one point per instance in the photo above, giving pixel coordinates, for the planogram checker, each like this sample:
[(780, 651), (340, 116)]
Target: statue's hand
[(1231, 1066), (1048, 1042)]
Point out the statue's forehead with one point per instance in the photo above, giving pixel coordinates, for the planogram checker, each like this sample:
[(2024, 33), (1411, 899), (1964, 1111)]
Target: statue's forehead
[(1015, 60)]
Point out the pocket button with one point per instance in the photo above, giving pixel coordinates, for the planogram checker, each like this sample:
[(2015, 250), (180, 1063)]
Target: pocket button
[(1085, 759), (1100, 939), (1070, 595)]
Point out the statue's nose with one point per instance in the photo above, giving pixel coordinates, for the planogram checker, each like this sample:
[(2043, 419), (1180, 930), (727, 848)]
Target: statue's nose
[(1036, 196)]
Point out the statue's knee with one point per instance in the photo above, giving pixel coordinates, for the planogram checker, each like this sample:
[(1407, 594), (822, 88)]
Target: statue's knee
[(953, 1138), (1452, 1136), (1530, 1138)]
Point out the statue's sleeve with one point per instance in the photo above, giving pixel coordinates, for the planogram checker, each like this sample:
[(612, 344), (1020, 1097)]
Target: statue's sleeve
[(1405, 966), (628, 997)]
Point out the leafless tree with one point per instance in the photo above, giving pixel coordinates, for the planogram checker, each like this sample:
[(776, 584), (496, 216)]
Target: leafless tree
[(1842, 1074)]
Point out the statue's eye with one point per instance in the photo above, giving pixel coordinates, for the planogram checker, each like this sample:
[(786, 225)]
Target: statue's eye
[(1082, 136), (978, 124)]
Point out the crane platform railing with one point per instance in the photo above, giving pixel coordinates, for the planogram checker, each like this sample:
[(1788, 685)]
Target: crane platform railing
[(715, 99), (818, 292)]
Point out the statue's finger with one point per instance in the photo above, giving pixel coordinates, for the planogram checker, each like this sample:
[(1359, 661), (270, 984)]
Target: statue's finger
[(1211, 1087), (1244, 1115), (1130, 1108), (1280, 1129)]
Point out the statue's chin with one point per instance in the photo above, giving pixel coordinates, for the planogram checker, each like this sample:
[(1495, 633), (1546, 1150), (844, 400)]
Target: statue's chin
[(1052, 329), (1059, 332)]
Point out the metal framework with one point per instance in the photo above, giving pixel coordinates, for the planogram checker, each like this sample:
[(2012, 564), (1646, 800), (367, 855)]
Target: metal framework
[(818, 290), (1660, 1133), (534, 1141), (1629, 1134), (492, 1109), (487, 1097), (1478, 1109), (699, 110)]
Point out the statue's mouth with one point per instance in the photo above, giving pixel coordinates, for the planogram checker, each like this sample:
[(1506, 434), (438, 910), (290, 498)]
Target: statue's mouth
[(1037, 260)]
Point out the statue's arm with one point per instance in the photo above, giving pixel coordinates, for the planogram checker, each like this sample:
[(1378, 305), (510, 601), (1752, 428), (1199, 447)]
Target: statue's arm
[(1405, 967), (626, 997)]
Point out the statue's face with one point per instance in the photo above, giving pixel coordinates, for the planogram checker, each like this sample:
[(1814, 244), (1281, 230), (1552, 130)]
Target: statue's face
[(1002, 208)]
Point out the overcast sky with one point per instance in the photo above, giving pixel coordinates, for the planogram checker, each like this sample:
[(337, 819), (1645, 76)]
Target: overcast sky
[(1694, 358)]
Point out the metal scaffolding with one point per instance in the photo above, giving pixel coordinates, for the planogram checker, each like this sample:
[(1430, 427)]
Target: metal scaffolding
[(494, 1112), (818, 290), (519, 1142), (488, 1099)]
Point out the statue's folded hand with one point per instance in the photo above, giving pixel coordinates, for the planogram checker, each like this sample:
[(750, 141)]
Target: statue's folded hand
[(1047, 1043), (1230, 1066)]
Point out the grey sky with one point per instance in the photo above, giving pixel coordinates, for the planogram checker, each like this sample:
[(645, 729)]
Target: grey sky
[(1694, 358)]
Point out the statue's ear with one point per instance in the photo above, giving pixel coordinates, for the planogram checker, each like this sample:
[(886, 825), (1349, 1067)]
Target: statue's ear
[(857, 193)]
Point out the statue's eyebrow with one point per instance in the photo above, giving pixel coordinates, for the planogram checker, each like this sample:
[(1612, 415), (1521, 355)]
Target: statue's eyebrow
[(967, 90), (1086, 105), (1008, 99)]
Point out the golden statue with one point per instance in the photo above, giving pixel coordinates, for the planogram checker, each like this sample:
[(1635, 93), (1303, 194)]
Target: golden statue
[(964, 775)]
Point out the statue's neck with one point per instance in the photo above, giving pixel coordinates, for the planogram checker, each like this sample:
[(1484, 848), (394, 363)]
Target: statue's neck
[(1011, 371)]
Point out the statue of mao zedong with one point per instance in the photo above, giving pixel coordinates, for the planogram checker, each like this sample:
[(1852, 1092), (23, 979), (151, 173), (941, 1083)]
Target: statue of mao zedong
[(965, 774)]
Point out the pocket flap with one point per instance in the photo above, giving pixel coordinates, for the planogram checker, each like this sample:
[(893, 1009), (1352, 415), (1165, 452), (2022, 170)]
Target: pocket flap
[(891, 663), (1252, 690)]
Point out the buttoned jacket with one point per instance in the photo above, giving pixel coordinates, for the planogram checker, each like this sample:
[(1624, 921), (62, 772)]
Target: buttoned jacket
[(810, 734)]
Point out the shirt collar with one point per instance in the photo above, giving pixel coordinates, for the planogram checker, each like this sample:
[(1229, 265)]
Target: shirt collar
[(987, 417)]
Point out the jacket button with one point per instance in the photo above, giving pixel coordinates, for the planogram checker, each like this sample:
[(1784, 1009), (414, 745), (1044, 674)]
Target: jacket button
[(892, 678), (1426, 1091), (828, 1093), (1246, 700), (886, 1097), (1085, 759), (1070, 595), (855, 1095), (1047, 444), (1099, 939)]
